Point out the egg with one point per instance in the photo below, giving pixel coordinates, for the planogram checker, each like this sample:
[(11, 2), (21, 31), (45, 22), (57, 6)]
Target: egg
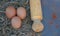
[(21, 12), (10, 11), (16, 22)]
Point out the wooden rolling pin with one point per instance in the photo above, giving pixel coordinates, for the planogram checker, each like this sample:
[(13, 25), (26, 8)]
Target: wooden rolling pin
[(36, 15)]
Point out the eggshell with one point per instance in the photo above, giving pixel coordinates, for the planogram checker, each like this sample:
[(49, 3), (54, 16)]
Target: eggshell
[(21, 12), (10, 11), (16, 22)]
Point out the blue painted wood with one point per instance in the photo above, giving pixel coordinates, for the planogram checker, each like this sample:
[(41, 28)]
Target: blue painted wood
[(49, 7)]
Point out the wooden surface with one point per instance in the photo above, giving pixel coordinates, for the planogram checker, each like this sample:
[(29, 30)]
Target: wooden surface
[(36, 10)]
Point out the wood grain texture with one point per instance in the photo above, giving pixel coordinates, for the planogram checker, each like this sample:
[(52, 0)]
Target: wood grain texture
[(36, 10)]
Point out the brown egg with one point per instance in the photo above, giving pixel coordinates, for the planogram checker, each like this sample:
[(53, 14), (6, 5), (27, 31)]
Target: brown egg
[(21, 12), (16, 22), (10, 11)]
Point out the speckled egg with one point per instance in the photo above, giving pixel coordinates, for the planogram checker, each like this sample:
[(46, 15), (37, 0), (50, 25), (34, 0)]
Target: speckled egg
[(16, 22)]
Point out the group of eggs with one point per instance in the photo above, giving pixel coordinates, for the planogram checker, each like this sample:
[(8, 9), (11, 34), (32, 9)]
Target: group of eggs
[(16, 16)]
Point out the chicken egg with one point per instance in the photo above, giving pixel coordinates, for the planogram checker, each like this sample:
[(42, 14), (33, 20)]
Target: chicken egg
[(21, 12), (16, 22), (10, 11)]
